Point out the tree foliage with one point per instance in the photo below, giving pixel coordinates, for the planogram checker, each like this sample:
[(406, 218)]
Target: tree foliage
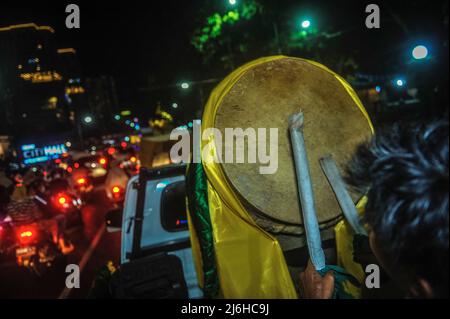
[(229, 36), (205, 36)]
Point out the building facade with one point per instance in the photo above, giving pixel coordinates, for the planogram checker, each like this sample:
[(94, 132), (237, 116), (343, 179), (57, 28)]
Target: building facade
[(41, 89)]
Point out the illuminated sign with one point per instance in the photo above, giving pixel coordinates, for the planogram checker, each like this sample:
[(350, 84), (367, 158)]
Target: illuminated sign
[(33, 155), (28, 147), (35, 160)]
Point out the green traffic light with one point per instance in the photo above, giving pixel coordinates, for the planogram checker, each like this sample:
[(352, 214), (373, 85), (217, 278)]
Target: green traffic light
[(306, 24)]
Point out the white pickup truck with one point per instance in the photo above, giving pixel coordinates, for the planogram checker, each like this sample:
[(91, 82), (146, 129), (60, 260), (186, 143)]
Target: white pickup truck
[(156, 257)]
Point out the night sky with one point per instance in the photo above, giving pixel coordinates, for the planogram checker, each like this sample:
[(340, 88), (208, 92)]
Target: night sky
[(129, 42), (142, 42)]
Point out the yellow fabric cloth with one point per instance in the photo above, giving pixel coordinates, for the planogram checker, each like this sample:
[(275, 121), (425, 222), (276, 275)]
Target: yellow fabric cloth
[(344, 251), (250, 261)]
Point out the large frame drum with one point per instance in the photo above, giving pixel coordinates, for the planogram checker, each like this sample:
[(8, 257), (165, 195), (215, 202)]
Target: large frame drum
[(256, 219), (263, 97)]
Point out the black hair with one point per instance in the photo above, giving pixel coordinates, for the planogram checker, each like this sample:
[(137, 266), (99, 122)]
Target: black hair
[(405, 173)]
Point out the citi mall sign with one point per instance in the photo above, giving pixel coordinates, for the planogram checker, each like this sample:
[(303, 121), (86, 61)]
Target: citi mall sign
[(32, 154)]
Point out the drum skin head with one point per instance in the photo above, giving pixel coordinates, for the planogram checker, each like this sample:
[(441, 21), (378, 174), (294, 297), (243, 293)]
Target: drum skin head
[(264, 97)]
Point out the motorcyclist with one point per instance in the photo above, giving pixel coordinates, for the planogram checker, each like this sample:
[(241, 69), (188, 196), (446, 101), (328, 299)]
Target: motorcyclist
[(116, 177), (28, 210), (19, 192), (58, 182), (6, 189)]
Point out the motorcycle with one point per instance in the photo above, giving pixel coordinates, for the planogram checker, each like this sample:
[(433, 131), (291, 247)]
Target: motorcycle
[(31, 244), (131, 166), (83, 186), (116, 195), (59, 197), (63, 203)]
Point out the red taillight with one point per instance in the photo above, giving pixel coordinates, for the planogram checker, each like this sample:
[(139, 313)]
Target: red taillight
[(81, 181), (111, 150), (26, 235), (63, 200), (76, 165), (123, 144)]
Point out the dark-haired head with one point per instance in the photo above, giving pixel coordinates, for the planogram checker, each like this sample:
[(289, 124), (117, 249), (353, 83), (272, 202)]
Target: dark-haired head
[(405, 172)]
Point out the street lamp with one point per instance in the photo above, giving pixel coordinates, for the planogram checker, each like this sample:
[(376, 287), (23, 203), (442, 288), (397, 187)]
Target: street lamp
[(232, 2), (420, 52), (306, 24), (174, 105), (88, 119), (185, 85), (400, 82)]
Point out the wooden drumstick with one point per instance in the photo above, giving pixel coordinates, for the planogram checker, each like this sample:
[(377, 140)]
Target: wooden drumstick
[(305, 190)]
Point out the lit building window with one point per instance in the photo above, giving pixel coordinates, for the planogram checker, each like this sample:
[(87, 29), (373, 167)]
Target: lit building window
[(33, 60), (52, 102), (74, 90), (66, 50), (27, 25), (41, 77), (26, 76)]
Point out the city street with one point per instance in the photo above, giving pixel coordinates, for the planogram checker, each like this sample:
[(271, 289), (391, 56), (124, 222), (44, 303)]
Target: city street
[(239, 149), (93, 248)]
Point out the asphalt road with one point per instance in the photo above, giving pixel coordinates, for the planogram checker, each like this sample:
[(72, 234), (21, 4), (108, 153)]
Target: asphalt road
[(94, 247)]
